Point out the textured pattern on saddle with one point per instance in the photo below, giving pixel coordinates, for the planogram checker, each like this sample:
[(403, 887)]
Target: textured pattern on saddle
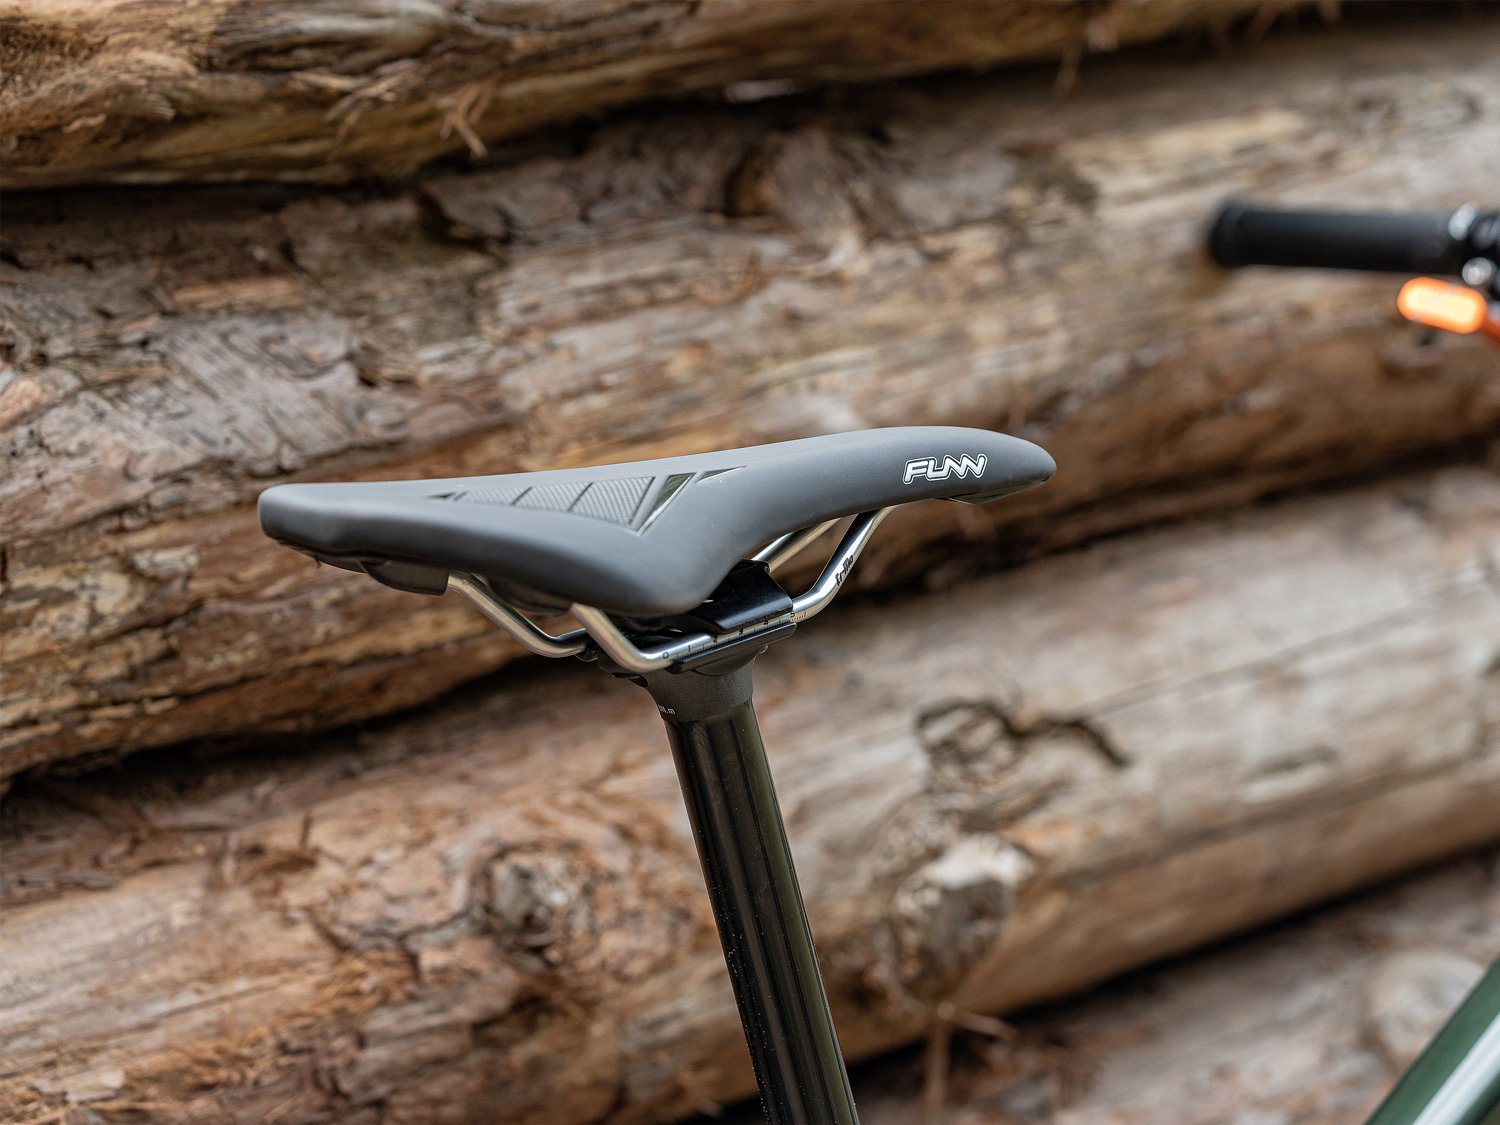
[(551, 497), (487, 495), (616, 500)]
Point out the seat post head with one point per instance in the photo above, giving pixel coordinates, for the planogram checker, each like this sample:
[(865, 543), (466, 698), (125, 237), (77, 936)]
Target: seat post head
[(747, 613)]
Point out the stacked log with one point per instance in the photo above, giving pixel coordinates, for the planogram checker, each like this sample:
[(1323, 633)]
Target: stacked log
[(1051, 754), (1311, 1022), (969, 252), (996, 794), (114, 92)]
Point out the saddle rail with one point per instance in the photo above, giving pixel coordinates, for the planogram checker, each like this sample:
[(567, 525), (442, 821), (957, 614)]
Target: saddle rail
[(599, 627)]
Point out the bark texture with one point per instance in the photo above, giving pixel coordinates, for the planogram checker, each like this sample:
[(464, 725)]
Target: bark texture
[(101, 90), (969, 251), (1311, 1022), (996, 794)]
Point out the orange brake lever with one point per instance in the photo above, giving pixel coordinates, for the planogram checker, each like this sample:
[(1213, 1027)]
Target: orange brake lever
[(1453, 308)]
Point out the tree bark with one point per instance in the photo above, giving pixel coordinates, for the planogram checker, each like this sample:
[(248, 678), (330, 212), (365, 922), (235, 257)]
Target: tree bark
[(1312, 1022), (997, 794), (972, 253), (109, 90)]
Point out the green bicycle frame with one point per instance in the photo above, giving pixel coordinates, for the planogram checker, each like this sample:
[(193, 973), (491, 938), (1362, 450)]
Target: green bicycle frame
[(1456, 1080)]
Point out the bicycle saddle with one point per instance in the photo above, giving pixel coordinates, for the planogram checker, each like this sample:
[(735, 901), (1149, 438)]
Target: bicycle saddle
[(645, 539)]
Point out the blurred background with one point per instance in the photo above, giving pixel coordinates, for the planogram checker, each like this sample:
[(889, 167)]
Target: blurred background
[(282, 845)]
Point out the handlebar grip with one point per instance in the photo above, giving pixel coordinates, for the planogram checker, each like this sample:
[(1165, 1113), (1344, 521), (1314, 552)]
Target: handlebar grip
[(1390, 242)]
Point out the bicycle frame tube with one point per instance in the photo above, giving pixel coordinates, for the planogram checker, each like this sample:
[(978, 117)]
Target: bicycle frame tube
[(1456, 1080), (736, 822)]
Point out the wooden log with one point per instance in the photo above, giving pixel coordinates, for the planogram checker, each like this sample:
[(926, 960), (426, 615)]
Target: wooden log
[(110, 91), (974, 253), (997, 794), (1311, 1022)]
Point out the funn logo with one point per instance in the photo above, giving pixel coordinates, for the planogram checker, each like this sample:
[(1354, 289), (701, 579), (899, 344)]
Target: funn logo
[(928, 468)]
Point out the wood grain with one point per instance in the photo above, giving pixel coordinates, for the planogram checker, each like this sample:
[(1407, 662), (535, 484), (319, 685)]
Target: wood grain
[(997, 794), (116, 90), (969, 252), (1310, 1022)]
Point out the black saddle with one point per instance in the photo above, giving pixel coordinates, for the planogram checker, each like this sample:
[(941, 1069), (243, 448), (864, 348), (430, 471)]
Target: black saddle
[(646, 539)]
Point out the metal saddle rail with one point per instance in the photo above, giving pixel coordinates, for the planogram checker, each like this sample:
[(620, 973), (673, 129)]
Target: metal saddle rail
[(689, 649)]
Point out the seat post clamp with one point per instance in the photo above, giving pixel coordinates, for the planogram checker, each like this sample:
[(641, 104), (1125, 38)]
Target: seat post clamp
[(747, 612)]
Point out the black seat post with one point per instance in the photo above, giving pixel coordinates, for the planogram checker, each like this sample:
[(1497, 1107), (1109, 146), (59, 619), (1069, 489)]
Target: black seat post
[(705, 701), (757, 904)]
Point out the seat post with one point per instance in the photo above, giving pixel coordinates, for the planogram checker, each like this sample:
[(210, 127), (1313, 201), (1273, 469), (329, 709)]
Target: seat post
[(742, 847)]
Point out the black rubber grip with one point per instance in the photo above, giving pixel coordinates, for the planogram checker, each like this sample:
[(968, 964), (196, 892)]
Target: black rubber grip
[(1390, 242)]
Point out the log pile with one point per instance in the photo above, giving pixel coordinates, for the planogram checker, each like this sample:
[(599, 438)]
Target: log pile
[(967, 252), (1045, 753), (997, 794)]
